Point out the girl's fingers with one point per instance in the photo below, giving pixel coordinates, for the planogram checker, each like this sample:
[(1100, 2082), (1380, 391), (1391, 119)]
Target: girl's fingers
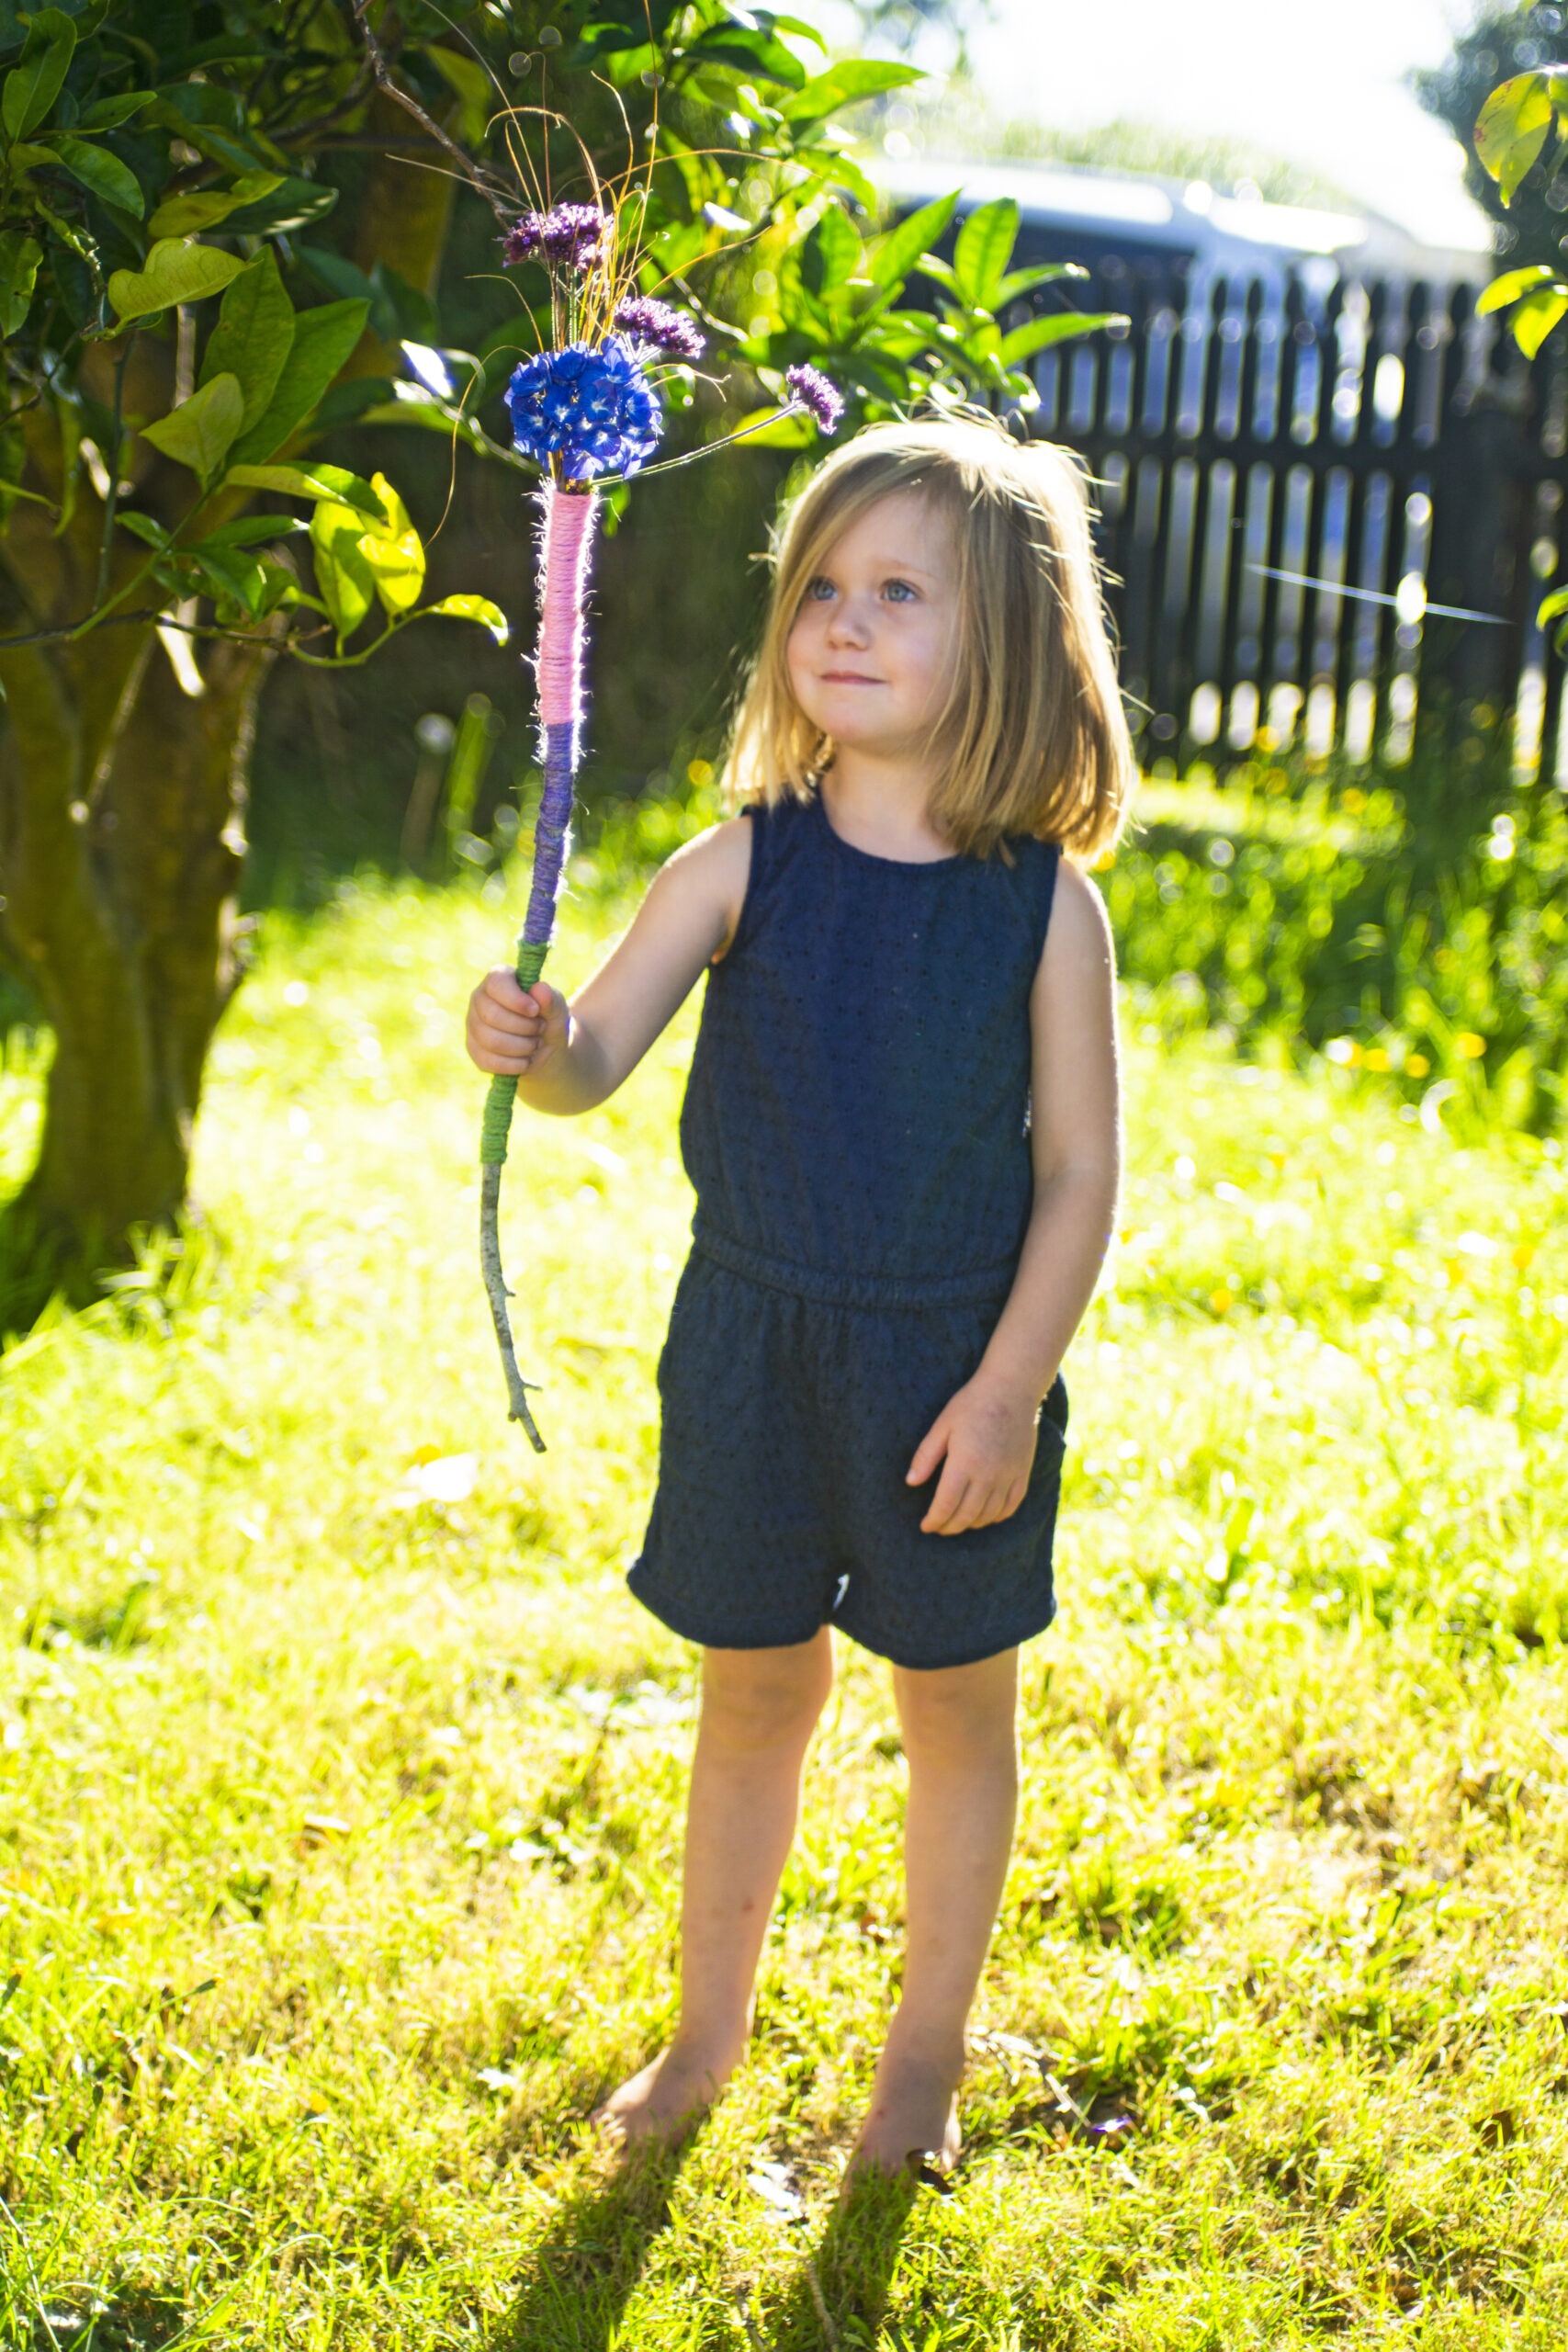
[(966, 1503), (490, 1021), (928, 1454), (946, 1505), (503, 987)]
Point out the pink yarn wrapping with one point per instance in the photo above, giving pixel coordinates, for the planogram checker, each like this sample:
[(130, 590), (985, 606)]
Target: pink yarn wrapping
[(566, 544)]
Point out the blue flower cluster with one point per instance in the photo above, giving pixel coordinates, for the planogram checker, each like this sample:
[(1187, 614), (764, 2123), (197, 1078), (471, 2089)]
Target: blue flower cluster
[(591, 406)]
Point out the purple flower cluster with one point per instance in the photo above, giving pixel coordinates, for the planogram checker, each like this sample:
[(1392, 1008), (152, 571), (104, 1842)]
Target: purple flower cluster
[(570, 236), (809, 389), (593, 408), (655, 326)]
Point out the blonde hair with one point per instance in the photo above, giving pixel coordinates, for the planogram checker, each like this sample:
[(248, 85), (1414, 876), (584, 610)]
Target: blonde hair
[(1032, 738)]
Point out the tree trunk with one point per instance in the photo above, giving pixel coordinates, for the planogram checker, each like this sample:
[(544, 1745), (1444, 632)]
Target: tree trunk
[(120, 908), (122, 802), (121, 838)]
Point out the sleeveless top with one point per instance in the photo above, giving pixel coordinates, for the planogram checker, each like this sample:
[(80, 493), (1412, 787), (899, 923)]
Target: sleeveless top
[(856, 1121)]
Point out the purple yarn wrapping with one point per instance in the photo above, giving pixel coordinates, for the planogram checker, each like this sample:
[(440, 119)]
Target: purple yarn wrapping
[(551, 831)]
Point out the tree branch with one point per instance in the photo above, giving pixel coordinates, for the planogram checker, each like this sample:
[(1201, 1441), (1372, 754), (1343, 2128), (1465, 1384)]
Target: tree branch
[(495, 197)]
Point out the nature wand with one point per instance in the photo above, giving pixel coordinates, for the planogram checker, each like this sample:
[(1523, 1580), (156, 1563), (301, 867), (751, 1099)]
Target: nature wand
[(586, 412)]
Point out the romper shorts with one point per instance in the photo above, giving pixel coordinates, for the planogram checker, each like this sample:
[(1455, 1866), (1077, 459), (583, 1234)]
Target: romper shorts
[(790, 1418)]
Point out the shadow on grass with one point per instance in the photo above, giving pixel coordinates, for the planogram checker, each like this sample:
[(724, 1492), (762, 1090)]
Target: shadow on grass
[(584, 2271), (839, 2295)]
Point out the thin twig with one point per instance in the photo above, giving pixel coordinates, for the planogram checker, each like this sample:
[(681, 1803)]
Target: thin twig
[(496, 1291), (705, 449), (427, 123)]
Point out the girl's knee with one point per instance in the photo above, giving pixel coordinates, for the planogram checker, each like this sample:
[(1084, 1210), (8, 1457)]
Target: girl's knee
[(754, 1698), (959, 1713)]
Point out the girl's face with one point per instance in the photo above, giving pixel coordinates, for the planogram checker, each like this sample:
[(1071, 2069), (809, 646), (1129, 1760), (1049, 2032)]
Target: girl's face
[(873, 646)]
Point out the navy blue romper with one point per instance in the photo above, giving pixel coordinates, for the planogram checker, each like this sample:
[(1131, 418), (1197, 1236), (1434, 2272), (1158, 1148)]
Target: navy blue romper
[(856, 1127)]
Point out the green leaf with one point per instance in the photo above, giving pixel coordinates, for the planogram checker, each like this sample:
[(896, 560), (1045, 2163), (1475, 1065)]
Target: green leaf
[(323, 341), (33, 86), (467, 78), (182, 216), (343, 574), (338, 274), (19, 259), (474, 609), (291, 203), (397, 309), (1038, 335), (890, 260), (1536, 316), (843, 84), (432, 416), (755, 51), (836, 171), (173, 272), (397, 566), (280, 587), (1511, 284), (199, 432), (250, 530), (111, 114), (796, 25), (1511, 129), (143, 527), (395, 555), (253, 334), (1024, 281), (765, 429), (99, 172), (232, 572), (331, 482), (830, 254), (983, 249), (1552, 607)]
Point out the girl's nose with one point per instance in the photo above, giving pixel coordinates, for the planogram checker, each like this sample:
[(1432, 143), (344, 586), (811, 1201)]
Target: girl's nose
[(847, 623)]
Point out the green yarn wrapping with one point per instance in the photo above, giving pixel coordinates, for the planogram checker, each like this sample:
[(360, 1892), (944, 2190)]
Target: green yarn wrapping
[(496, 1127)]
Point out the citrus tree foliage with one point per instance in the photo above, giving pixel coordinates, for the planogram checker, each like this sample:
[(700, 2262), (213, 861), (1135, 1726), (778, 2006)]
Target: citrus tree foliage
[(1503, 44), (221, 229), (158, 178), (1519, 132)]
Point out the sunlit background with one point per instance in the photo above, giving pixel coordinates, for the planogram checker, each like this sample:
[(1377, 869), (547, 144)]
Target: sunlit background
[(1325, 87)]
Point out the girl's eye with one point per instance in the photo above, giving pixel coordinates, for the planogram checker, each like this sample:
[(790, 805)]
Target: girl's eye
[(820, 591), (899, 591)]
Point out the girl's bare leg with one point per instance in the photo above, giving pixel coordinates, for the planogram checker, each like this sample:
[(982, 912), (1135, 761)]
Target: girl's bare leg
[(758, 1709), (962, 1746)]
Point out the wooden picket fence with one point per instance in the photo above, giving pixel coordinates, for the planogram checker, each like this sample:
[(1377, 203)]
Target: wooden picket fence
[(1369, 436)]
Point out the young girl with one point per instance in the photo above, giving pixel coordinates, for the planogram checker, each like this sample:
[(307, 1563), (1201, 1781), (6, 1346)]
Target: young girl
[(901, 1124)]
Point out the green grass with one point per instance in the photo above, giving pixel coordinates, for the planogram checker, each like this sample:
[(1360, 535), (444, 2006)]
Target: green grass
[(1411, 923), (339, 1807)]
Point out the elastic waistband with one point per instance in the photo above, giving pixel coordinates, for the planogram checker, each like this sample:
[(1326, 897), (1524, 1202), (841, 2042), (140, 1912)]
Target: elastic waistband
[(978, 1286)]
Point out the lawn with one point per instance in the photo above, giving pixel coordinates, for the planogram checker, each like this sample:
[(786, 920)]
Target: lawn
[(341, 1781)]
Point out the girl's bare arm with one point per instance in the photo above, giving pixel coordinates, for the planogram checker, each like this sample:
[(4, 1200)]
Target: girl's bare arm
[(568, 1058), (985, 1439)]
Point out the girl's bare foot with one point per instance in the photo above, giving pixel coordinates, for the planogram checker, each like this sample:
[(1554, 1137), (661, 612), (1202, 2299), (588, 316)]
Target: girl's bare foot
[(914, 2111), (682, 2082)]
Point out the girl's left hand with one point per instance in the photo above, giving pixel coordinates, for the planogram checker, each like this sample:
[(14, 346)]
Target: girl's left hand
[(986, 1434)]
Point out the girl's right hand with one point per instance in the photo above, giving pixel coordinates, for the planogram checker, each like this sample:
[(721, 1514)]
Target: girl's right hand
[(513, 1031)]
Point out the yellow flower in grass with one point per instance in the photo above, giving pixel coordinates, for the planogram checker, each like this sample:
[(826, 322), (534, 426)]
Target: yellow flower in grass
[(1470, 1045)]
